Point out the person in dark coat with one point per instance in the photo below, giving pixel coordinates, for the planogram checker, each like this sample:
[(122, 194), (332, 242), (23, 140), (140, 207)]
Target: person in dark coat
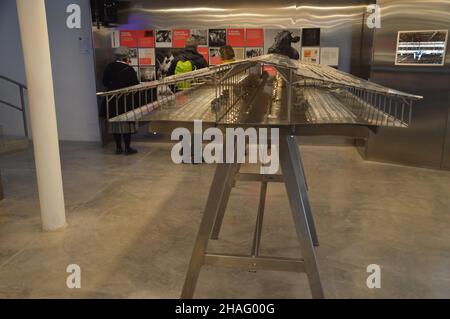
[(189, 53), (117, 75)]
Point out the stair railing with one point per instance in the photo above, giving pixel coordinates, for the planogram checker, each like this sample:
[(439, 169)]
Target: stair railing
[(21, 107)]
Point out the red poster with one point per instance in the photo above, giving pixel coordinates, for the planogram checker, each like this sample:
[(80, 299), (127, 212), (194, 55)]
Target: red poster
[(254, 37), (128, 38), (146, 56), (236, 37), (146, 38), (179, 37), (204, 52)]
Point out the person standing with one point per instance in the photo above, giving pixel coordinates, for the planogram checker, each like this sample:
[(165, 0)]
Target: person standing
[(118, 75), (186, 61), (189, 53)]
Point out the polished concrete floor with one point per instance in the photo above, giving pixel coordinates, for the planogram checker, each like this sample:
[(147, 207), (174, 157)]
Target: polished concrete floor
[(132, 223)]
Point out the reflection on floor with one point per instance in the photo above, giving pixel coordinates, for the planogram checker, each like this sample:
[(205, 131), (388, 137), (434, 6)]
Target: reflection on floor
[(133, 220)]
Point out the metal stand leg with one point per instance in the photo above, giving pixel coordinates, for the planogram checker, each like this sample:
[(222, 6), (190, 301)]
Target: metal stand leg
[(300, 173), (289, 159), (303, 172), (1, 187), (259, 220), (294, 179), (222, 181), (223, 205)]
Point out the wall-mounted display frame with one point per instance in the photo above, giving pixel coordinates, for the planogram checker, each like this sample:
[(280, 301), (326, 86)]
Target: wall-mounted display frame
[(254, 37), (421, 48), (239, 53), (146, 38), (147, 74), (201, 36), (146, 56), (217, 37), (311, 37), (283, 38), (128, 38), (179, 37), (311, 54), (214, 56), (163, 38), (134, 56), (329, 56), (236, 37), (251, 52)]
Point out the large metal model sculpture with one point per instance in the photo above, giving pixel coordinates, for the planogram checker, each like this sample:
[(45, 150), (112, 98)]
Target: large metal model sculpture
[(298, 98)]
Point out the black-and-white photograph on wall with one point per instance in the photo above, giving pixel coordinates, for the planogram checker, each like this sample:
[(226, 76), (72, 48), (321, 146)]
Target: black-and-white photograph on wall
[(217, 37), (285, 42), (311, 37), (164, 58), (253, 52), (421, 48), (147, 74), (163, 38), (133, 56), (201, 36)]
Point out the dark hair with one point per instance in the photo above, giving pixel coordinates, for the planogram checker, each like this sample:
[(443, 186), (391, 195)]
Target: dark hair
[(227, 52)]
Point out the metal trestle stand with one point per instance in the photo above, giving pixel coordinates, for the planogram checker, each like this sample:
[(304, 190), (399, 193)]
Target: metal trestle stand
[(294, 178)]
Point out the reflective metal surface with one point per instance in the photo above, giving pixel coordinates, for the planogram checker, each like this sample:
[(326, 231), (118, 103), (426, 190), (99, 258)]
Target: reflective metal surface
[(341, 21), (427, 142), (103, 54), (293, 176), (243, 93), (247, 14)]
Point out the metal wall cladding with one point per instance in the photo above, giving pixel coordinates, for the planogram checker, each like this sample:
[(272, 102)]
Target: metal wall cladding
[(247, 14), (341, 21), (103, 54), (427, 142)]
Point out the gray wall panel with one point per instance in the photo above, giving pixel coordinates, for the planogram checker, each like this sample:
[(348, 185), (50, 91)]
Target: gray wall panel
[(422, 144), (73, 70), (12, 66)]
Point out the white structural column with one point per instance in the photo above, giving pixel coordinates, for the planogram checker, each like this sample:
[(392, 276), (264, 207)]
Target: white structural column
[(36, 52)]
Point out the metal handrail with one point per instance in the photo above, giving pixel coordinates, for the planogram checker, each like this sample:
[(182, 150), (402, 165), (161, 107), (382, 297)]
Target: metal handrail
[(13, 81), (22, 102)]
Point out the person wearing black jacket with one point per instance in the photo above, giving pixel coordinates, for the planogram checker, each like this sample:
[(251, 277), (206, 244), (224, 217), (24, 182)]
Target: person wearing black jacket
[(117, 75), (189, 53)]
